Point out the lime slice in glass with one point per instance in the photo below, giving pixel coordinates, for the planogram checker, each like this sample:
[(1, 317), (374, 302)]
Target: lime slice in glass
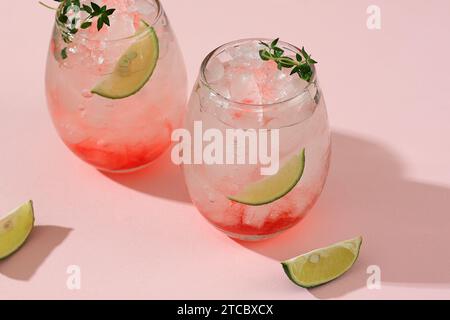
[(134, 68), (323, 265), (15, 229), (275, 187)]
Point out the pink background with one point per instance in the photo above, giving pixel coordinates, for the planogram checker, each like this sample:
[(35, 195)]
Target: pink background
[(138, 236)]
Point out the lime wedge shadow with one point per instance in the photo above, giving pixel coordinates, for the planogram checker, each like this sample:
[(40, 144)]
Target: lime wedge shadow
[(23, 264)]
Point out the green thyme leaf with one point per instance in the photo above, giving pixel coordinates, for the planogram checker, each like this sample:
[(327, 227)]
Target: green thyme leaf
[(295, 70), (87, 9), (278, 52), (264, 55), (274, 43), (86, 25), (64, 53), (305, 54), (106, 20), (100, 23), (305, 72), (95, 7), (63, 18)]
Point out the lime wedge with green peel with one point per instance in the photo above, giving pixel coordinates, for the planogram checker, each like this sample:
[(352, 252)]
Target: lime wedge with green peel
[(134, 68), (323, 265), (275, 187), (15, 229)]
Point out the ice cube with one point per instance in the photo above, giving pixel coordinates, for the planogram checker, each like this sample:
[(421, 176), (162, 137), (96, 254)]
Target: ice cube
[(214, 71), (256, 216), (246, 56), (282, 207), (247, 50), (122, 26), (290, 87), (244, 88), (145, 7), (120, 5)]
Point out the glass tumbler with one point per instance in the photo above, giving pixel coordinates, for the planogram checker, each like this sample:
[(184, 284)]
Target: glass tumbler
[(237, 92), (115, 94)]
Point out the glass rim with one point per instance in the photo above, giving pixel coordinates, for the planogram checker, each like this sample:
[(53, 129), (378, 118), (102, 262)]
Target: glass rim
[(243, 105), (61, 27)]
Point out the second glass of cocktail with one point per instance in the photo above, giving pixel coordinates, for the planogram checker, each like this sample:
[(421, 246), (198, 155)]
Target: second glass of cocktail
[(115, 81), (262, 94)]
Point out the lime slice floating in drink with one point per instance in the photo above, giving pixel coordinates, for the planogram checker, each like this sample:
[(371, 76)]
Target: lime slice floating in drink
[(15, 229), (275, 187), (134, 68), (323, 265)]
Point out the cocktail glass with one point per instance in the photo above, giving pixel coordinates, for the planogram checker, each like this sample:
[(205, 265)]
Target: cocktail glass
[(127, 123), (236, 89)]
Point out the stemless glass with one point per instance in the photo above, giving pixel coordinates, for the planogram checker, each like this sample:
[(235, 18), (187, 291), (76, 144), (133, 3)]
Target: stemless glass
[(236, 89), (116, 134)]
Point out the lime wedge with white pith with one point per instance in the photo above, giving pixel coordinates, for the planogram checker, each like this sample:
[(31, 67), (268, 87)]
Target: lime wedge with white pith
[(275, 187), (134, 68), (15, 229), (323, 265)]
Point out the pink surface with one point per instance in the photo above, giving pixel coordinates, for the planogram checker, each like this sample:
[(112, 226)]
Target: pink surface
[(138, 236)]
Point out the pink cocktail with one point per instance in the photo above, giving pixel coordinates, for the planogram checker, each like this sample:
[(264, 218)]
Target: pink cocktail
[(237, 89), (116, 132)]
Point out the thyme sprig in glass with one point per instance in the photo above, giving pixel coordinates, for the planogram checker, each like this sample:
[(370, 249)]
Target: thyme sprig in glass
[(301, 65), (69, 16)]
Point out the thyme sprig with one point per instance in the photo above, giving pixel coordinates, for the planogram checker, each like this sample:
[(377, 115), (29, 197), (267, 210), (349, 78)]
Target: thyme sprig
[(301, 65), (69, 16), (93, 10)]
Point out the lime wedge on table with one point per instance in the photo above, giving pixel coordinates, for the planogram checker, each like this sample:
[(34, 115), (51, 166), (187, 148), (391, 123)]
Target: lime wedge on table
[(15, 229), (134, 68), (274, 187), (323, 265)]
